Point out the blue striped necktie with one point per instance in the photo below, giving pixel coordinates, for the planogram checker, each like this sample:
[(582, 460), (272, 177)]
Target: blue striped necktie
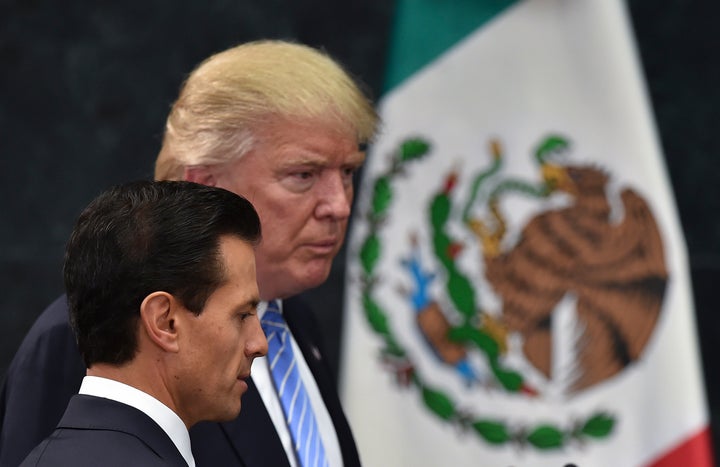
[(291, 390)]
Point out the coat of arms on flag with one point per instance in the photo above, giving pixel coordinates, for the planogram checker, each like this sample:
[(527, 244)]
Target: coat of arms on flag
[(606, 255)]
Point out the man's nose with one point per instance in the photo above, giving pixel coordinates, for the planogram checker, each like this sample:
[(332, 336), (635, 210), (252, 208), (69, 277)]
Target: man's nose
[(257, 345), (334, 198)]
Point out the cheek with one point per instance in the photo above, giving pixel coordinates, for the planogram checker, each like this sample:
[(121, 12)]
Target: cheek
[(276, 240), (208, 347), (282, 227), (221, 357)]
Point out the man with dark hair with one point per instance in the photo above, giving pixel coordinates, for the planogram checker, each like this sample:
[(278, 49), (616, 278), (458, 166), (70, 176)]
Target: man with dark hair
[(162, 293)]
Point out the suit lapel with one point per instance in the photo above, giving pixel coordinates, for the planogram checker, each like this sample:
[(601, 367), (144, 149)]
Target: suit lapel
[(308, 346), (97, 413)]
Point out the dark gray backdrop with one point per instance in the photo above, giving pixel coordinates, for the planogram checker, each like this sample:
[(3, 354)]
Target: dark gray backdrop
[(85, 87)]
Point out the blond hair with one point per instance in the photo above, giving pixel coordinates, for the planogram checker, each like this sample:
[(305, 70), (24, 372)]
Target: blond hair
[(230, 94)]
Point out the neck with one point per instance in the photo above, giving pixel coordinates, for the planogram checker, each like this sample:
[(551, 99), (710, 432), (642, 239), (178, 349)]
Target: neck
[(148, 380)]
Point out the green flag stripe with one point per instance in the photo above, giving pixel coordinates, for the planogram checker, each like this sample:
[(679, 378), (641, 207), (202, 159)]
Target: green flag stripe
[(424, 29)]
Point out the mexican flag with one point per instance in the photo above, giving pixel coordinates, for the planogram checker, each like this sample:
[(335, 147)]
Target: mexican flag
[(518, 289)]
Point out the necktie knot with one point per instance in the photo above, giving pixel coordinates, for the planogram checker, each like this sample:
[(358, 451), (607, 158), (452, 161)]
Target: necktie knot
[(272, 321)]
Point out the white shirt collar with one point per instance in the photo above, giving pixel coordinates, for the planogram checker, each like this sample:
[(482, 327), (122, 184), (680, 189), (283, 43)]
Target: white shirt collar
[(153, 408)]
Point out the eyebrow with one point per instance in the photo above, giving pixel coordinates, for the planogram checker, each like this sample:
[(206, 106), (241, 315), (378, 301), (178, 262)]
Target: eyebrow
[(302, 160)]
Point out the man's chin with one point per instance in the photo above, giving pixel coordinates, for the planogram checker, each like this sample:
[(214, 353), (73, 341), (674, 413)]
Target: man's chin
[(311, 284), (293, 280), (313, 277), (231, 414)]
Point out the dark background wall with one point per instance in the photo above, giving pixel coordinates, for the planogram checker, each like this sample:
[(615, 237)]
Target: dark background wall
[(85, 87)]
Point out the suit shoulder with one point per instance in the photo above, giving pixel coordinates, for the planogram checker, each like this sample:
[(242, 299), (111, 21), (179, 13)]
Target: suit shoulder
[(52, 324), (86, 448), (50, 337)]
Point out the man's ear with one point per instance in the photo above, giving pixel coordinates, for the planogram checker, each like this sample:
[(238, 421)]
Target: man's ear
[(200, 174), (158, 317)]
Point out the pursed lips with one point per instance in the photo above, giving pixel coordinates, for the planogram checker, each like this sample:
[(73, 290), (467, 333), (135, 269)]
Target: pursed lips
[(323, 246), (243, 380)]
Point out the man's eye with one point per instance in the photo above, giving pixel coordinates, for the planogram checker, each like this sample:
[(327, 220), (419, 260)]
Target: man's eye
[(347, 174), (299, 181)]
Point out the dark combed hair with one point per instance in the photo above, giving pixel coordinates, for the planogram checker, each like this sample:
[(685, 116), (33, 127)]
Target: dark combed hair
[(139, 238)]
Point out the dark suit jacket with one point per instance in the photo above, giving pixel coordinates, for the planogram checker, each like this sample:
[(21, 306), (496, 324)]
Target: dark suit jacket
[(47, 370), (96, 431)]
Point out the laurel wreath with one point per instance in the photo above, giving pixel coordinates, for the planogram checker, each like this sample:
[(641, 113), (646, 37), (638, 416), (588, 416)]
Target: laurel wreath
[(544, 436)]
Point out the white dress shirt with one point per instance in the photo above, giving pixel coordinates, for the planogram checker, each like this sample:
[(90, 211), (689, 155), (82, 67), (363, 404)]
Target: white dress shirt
[(153, 408), (263, 381)]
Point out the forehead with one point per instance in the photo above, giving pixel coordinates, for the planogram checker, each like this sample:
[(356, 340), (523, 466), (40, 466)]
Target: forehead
[(313, 136)]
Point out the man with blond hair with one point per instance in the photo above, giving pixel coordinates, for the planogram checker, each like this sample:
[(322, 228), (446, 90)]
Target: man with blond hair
[(283, 125)]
